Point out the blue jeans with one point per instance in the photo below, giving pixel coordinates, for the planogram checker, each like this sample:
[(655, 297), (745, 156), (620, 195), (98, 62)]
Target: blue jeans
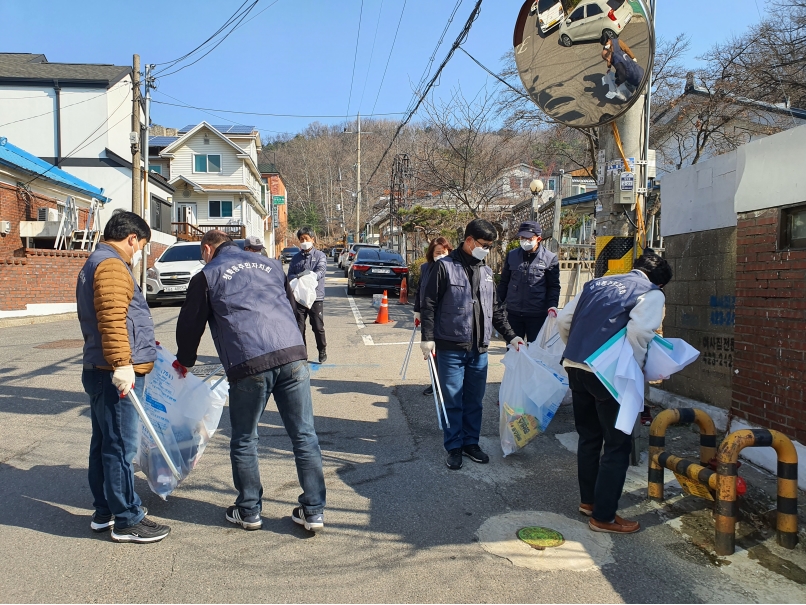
[(291, 386), (463, 378), (115, 436)]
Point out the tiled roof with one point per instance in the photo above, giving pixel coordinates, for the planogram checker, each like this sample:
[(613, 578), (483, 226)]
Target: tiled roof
[(13, 156), (35, 68), (267, 168)]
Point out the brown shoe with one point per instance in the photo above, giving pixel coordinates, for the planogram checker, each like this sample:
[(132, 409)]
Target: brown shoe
[(619, 526), (586, 509)]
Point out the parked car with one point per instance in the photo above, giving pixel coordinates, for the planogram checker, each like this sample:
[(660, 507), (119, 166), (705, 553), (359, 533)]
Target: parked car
[(351, 255), (342, 257), (335, 253), (376, 269), (549, 14), (596, 20), (288, 253), (168, 279)]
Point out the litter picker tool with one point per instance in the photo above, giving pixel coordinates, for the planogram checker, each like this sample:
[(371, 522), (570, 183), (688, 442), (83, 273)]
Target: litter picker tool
[(152, 431), (437, 389), (405, 367)]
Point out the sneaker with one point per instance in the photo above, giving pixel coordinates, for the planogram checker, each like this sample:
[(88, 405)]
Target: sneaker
[(586, 509), (144, 532), (618, 526), (475, 453), (454, 460), (322, 356), (312, 523), (102, 523), (250, 522), (429, 391)]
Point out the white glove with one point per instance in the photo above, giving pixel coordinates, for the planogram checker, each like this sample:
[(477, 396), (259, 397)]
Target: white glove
[(123, 379), (427, 347), (517, 342), (552, 312)]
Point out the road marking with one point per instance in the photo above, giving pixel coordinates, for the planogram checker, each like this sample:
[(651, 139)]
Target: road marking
[(359, 322), (388, 344)]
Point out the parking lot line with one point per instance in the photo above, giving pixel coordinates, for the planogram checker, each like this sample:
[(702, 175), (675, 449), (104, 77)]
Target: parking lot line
[(359, 322)]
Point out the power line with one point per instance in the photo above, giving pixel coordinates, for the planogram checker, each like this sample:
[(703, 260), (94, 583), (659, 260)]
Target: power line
[(216, 45), (458, 42), (496, 76), (355, 58), (389, 58), (272, 115), (371, 53)]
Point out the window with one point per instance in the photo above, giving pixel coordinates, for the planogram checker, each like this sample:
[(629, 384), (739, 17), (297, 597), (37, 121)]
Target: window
[(155, 168), (793, 227), (593, 10), (578, 14), (220, 209), (206, 163), (160, 215)]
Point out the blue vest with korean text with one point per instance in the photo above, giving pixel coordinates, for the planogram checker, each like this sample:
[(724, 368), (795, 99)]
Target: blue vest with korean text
[(138, 316), (527, 292), (454, 317), (251, 314), (602, 311), (633, 72)]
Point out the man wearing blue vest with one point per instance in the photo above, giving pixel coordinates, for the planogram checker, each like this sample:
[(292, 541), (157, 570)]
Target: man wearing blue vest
[(119, 350), (604, 307), (530, 282), (458, 313), (248, 304)]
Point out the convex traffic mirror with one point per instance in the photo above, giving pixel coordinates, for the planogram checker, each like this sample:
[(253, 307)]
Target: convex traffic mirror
[(584, 62)]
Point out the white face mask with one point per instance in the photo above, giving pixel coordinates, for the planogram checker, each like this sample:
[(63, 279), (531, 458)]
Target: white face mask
[(137, 257), (528, 244), (439, 256), (306, 245), (480, 253)]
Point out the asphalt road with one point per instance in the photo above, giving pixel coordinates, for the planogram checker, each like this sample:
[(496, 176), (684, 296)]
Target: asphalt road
[(400, 526)]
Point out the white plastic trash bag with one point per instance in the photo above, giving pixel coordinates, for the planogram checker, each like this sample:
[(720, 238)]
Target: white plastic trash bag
[(304, 289), (185, 413), (529, 397), (547, 350), (667, 356)]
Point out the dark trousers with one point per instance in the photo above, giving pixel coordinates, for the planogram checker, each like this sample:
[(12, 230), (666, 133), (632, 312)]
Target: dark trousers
[(291, 386), (316, 316), (115, 435), (601, 473), (526, 327)]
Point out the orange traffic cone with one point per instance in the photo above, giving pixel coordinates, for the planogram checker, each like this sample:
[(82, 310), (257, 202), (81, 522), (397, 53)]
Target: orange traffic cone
[(404, 293), (383, 312)]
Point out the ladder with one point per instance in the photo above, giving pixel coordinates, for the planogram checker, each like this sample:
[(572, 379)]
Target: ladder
[(67, 225), (87, 239)]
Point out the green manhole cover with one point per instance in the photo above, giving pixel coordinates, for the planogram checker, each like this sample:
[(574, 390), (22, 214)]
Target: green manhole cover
[(540, 537)]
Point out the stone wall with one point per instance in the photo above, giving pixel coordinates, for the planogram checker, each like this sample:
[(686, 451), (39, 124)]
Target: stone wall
[(700, 308)]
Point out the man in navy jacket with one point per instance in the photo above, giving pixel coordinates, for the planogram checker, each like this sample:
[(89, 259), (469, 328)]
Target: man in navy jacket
[(311, 260)]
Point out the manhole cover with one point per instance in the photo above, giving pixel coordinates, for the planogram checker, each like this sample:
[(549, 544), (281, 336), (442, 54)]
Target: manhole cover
[(540, 538), (61, 344)]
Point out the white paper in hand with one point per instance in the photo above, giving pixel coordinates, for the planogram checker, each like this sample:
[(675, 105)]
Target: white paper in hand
[(667, 356)]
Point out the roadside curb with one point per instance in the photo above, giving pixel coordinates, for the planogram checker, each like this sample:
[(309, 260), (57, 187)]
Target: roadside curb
[(10, 322)]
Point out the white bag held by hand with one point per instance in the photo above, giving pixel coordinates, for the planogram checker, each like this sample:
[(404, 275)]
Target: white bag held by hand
[(304, 289), (667, 356), (529, 397), (185, 413)]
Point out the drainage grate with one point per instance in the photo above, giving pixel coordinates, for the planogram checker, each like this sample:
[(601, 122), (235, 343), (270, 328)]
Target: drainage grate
[(61, 344), (540, 538)]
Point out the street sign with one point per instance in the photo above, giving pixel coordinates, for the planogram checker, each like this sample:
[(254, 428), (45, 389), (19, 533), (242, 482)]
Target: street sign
[(601, 169), (278, 200), (627, 181)]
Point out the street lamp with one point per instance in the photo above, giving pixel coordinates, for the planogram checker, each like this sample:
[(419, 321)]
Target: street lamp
[(536, 187)]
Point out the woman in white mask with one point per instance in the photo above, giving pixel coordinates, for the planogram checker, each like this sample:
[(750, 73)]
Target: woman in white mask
[(437, 249)]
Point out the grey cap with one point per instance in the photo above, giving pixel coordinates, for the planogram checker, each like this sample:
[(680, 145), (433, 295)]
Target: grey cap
[(254, 241)]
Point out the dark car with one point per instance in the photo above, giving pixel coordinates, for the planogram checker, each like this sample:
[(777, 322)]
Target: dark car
[(288, 253), (377, 270), (351, 252)]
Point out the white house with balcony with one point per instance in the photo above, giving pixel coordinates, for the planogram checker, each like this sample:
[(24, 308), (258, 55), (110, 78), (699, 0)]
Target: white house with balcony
[(218, 185)]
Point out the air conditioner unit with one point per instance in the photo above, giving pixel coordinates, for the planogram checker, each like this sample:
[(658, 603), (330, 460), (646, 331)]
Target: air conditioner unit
[(47, 214)]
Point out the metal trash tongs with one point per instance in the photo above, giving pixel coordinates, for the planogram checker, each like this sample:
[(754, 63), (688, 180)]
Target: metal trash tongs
[(437, 391), (152, 431), (405, 367)]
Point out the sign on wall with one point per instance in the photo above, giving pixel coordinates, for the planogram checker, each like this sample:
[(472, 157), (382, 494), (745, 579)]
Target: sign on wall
[(278, 200)]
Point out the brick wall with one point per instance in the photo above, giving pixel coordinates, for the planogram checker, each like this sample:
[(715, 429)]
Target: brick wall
[(700, 303), (38, 277), (770, 357), (18, 205), (156, 252)]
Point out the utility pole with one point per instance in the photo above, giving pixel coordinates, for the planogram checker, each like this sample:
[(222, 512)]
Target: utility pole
[(358, 186), (148, 84), (135, 138)]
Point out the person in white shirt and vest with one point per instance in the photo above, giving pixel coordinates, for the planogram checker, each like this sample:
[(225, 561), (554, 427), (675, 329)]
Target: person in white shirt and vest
[(604, 307), (458, 313)]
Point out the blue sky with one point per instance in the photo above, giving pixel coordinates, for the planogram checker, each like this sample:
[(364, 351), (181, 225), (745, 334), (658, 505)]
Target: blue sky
[(296, 57)]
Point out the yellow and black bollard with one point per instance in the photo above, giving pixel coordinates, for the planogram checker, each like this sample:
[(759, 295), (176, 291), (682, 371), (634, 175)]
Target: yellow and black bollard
[(727, 508), (657, 446)]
